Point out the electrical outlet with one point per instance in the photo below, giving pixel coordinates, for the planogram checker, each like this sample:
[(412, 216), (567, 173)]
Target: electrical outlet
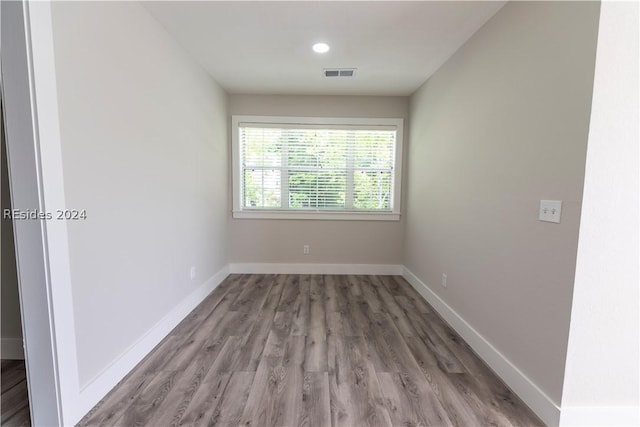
[(192, 273), (444, 280), (305, 249)]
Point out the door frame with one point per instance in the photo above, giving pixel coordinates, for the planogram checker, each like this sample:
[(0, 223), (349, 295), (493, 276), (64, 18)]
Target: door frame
[(34, 159)]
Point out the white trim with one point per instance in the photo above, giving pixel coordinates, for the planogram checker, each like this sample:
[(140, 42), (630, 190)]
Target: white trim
[(53, 197), (317, 215), (292, 120), (97, 388), (609, 416), (397, 175), (236, 167), (12, 349), (28, 73), (277, 268), (522, 386)]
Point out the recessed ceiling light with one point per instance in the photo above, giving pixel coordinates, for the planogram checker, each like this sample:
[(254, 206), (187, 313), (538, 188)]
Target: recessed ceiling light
[(321, 48)]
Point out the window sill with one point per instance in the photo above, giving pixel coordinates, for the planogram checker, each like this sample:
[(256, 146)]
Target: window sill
[(316, 215)]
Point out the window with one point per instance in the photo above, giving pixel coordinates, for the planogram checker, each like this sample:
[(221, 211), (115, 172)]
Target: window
[(316, 168)]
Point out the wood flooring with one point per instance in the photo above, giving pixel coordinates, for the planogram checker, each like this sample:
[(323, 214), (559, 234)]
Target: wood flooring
[(311, 350), (14, 404)]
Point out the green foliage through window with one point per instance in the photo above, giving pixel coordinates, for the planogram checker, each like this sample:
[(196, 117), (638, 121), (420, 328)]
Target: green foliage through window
[(315, 168)]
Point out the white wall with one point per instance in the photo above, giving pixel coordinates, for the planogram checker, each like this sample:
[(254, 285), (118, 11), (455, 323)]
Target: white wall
[(144, 151), (331, 242), (500, 126), (602, 375)]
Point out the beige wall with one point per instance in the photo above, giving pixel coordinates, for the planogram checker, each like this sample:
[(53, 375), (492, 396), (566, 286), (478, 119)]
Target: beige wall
[(144, 149), (500, 126), (339, 242), (10, 322)]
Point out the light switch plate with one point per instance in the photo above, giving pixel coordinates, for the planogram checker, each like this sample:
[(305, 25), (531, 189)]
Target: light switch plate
[(550, 210)]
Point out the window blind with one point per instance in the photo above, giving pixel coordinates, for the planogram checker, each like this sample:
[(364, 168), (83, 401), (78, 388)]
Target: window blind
[(317, 167)]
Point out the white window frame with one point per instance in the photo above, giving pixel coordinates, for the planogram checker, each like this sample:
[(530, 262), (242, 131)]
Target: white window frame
[(239, 213)]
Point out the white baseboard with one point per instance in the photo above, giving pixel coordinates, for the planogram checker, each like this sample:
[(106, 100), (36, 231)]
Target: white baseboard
[(590, 416), (12, 348), (276, 268), (93, 392), (526, 389)]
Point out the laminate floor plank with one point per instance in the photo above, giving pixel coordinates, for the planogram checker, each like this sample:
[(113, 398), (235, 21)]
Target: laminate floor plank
[(347, 295), (228, 324), (354, 283), (456, 405), (290, 294), (188, 381), (253, 296), (183, 356), (211, 324), (344, 297), (206, 398), (232, 402), (342, 401), (391, 306), (413, 383), (403, 404), (379, 351), (254, 341), (350, 325), (362, 316), (109, 410), (349, 306), (317, 310), (464, 392), (275, 398), (141, 409), (274, 297), (158, 358), (22, 418), (186, 384), (202, 407), (289, 404), (205, 308), (370, 294), (331, 293), (369, 404), (409, 292), (316, 350), (308, 350), (392, 286), (435, 343), (13, 372), (486, 384), (472, 363), (334, 323), (302, 306), (13, 401), (355, 395), (316, 406)]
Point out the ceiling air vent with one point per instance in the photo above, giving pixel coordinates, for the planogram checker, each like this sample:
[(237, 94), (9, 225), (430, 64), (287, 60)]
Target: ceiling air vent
[(339, 72)]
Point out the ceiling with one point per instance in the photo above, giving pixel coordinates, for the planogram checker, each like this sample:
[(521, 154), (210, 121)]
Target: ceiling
[(265, 47)]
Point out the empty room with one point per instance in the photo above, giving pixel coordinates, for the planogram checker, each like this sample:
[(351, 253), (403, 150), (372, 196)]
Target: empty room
[(320, 213)]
